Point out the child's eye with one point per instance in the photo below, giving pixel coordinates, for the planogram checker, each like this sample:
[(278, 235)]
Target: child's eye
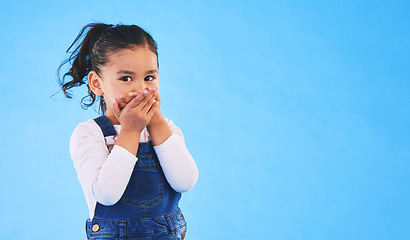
[(149, 78), (126, 79)]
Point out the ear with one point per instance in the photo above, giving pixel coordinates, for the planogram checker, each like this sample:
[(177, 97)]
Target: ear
[(94, 81)]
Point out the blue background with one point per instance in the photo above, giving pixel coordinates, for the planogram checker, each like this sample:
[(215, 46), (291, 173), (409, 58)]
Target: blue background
[(296, 112)]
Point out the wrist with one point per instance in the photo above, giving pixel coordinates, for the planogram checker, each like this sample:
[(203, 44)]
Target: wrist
[(158, 121), (130, 132), (129, 140), (159, 131)]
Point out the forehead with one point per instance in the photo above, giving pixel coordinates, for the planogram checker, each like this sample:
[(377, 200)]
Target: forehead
[(135, 59)]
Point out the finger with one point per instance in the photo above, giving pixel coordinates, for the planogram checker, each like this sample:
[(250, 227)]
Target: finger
[(133, 94), (116, 108), (121, 97), (157, 97), (153, 108), (152, 93), (158, 100), (136, 100), (121, 102), (149, 104)]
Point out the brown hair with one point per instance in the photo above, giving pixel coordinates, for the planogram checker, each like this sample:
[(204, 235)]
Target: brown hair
[(98, 41)]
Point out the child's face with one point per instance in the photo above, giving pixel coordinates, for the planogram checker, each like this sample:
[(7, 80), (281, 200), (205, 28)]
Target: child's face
[(128, 70)]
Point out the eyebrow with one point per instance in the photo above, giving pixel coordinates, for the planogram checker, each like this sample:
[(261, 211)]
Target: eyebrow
[(152, 71), (132, 73)]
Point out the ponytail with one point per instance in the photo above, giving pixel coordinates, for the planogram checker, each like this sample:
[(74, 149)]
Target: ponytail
[(91, 53)]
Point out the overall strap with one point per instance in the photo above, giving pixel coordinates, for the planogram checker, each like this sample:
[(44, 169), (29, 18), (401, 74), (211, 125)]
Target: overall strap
[(106, 126)]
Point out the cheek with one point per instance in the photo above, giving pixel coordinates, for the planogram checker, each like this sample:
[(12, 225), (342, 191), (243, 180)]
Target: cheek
[(113, 92), (119, 90), (156, 84)]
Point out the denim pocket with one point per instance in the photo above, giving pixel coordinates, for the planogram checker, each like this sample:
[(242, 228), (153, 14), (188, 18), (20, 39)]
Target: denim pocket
[(145, 188)]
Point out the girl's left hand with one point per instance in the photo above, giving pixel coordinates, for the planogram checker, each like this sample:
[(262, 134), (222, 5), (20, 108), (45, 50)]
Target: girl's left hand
[(157, 117), (157, 127)]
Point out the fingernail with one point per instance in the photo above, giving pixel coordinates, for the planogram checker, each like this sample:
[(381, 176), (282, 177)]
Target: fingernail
[(155, 89), (114, 101), (131, 94), (145, 91), (120, 97)]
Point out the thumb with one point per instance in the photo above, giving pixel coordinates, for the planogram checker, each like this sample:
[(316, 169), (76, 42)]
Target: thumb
[(116, 108)]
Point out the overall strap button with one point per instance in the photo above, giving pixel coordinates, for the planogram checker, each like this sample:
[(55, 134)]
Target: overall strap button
[(95, 228)]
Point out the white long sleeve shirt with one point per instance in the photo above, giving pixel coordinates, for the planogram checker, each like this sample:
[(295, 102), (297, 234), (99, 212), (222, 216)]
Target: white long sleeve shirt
[(104, 176)]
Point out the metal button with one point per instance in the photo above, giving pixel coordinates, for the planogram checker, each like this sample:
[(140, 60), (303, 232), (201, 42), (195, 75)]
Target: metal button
[(181, 217), (95, 228), (183, 235)]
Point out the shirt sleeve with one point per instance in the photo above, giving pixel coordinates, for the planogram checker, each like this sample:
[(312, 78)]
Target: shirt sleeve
[(103, 175), (177, 163)]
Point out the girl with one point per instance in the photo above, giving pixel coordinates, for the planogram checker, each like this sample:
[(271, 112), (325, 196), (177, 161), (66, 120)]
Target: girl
[(131, 162)]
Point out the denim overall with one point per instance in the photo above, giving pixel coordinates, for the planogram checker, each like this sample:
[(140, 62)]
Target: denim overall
[(148, 209)]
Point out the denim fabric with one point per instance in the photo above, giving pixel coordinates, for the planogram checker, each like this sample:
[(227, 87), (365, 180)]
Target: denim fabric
[(148, 208)]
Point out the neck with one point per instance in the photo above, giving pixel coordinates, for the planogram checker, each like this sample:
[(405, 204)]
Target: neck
[(112, 118)]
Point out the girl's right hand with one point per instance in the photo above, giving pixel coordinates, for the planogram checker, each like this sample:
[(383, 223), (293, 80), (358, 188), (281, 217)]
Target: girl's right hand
[(136, 114)]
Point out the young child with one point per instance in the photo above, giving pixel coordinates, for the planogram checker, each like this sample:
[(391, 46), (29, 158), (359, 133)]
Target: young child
[(131, 162)]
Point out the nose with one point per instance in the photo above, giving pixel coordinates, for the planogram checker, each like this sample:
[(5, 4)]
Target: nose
[(139, 87)]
